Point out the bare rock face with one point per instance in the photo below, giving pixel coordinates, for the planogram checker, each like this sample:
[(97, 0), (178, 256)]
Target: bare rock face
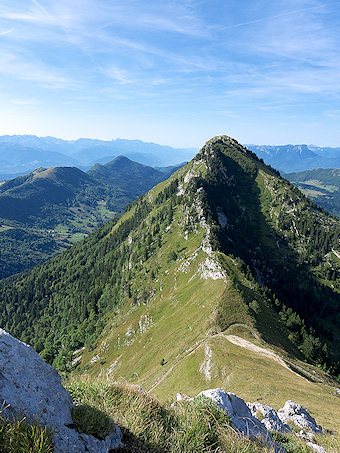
[(241, 416), (268, 417), (299, 416), (28, 386)]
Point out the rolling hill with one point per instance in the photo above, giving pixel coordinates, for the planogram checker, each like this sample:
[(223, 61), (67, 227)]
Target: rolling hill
[(46, 210), (223, 275)]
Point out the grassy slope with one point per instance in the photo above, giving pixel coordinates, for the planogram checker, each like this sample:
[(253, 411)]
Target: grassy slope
[(177, 323), (59, 206)]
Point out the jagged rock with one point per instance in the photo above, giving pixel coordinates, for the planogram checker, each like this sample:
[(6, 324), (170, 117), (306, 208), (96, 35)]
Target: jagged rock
[(270, 418), (299, 416), (28, 386), (241, 416)]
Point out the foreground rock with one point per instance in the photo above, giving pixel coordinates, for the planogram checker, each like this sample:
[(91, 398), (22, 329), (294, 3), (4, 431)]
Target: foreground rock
[(299, 416), (28, 386), (269, 417), (241, 416)]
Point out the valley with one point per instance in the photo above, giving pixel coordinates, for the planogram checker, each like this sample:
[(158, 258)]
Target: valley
[(321, 185), (44, 212)]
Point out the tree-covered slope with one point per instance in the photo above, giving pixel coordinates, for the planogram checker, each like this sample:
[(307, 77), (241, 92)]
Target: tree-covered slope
[(45, 211), (321, 185), (219, 276)]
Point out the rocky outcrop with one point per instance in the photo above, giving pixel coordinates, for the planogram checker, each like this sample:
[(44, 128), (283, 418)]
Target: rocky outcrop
[(30, 387), (241, 417), (268, 416), (299, 416), (245, 418)]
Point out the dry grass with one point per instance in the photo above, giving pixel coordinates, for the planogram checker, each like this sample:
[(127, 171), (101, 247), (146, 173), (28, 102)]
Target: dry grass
[(149, 426)]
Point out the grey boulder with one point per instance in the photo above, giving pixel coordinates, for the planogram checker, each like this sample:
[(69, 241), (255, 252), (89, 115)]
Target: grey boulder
[(30, 387), (269, 417), (241, 416), (300, 416)]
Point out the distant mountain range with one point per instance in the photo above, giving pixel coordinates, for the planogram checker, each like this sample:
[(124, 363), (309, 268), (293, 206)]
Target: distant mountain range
[(321, 185), (20, 154), (48, 209), (23, 153), (293, 158)]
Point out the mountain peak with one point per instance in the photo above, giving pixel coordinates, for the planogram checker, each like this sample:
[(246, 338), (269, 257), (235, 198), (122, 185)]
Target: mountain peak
[(121, 161), (223, 249)]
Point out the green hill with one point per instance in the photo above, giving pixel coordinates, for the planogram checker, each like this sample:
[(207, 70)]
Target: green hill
[(321, 185), (223, 275), (45, 211)]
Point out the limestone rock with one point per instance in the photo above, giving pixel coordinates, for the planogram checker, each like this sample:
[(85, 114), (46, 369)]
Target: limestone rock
[(31, 386), (269, 418), (28, 386), (300, 416), (316, 447), (241, 416)]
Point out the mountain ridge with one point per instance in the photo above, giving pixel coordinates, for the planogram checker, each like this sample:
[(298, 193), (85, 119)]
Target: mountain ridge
[(23, 153), (156, 295), (293, 158)]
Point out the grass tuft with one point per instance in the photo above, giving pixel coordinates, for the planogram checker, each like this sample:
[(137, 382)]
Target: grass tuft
[(90, 420), (20, 435)]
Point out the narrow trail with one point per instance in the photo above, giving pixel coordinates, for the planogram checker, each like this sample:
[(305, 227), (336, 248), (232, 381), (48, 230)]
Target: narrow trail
[(178, 359), (336, 253), (238, 341)]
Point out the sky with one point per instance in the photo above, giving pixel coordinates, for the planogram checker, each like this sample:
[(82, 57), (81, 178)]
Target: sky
[(172, 72)]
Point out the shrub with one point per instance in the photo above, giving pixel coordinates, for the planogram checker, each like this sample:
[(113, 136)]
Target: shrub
[(90, 420)]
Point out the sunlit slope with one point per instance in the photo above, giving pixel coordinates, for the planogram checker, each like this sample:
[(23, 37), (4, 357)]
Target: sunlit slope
[(224, 250), (177, 335)]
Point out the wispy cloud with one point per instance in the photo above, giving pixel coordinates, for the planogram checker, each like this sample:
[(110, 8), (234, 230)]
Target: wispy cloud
[(186, 57), (6, 32), (118, 75), (12, 65), (24, 102)]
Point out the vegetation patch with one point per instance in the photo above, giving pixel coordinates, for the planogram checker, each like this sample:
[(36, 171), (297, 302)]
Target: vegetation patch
[(20, 435), (149, 426), (90, 420)]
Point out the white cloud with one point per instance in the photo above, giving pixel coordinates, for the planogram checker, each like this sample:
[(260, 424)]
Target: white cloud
[(119, 75), (12, 65), (6, 32)]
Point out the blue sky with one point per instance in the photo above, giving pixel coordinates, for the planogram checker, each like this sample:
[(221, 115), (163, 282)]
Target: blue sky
[(172, 72)]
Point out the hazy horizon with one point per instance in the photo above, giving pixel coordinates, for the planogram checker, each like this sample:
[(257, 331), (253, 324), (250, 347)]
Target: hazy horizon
[(176, 73)]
